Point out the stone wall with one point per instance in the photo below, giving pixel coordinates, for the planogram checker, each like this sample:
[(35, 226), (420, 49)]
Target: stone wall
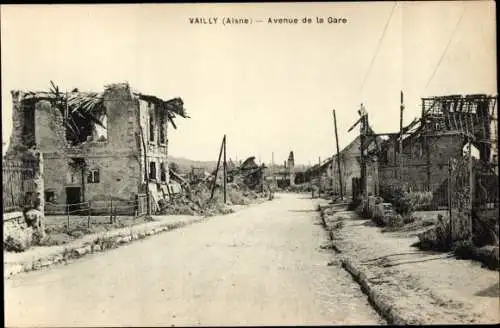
[(415, 166), (155, 151), (349, 165), (17, 120), (119, 158)]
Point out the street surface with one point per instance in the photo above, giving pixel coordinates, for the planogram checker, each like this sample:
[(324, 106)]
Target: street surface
[(260, 266)]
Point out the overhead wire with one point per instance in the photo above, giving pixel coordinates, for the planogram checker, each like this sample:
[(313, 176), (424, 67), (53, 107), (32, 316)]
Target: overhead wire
[(377, 49), (452, 35)]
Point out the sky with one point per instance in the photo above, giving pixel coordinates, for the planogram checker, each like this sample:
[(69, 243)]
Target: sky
[(270, 88)]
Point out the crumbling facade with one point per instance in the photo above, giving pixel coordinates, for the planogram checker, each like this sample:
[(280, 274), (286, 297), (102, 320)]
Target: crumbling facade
[(96, 146), (447, 125), (350, 168), (248, 173)]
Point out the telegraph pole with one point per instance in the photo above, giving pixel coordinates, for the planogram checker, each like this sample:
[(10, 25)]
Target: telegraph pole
[(338, 157), (364, 122), (319, 176), (401, 108), (272, 169), (217, 169), (225, 170)]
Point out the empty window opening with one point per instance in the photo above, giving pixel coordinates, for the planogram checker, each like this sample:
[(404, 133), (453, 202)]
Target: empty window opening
[(152, 170), (71, 177), (85, 117), (163, 172), (28, 135), (50, 196), (162, 129), (151, 123), (474, 151), (93, 176), (101, 132)]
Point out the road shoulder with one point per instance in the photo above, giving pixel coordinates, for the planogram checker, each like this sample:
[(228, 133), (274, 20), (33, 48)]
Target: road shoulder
[(410, 286), (40, 257)]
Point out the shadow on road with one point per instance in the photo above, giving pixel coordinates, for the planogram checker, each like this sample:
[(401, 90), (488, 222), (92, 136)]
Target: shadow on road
[(418, 261), (492, 291)]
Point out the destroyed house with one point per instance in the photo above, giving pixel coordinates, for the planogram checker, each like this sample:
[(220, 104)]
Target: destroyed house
[(350, 166), (96, 146), (249, 173), (446, 126)]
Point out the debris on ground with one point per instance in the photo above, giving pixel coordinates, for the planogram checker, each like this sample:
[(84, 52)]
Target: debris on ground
[(197, 200), (25, 231)]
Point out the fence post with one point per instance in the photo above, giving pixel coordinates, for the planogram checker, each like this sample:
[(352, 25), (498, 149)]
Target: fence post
[(88, 215), (471, 188), (136, 207), (67, 213), (111, 211), (449, 200)]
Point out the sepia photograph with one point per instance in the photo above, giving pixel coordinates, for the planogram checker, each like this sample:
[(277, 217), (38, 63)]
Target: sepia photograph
[(250, 164)]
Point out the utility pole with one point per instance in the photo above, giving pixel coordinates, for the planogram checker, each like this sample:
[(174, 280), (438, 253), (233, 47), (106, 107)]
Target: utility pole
[(319, 176), (364, 122), (471, 185), (426, 146), (401, 108), (273, 168), (217, 169), (450, 214), (225, 170), (338, 157)]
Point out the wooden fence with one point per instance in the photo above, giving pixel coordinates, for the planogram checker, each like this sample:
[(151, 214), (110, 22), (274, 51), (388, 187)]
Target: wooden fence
[(17, 184), (110, 207)]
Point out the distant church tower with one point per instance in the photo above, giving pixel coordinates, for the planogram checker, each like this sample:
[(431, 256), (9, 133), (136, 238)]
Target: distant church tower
[(291, 168)]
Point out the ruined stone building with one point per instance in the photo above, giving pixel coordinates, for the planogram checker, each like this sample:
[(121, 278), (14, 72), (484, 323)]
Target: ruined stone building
[(446, 126), (248, 173), (443, 132), (96, 145), (284, 175), (350, 167)]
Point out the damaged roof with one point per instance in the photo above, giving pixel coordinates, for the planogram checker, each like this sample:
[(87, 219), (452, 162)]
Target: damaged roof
[(173, 107), (90, 105)]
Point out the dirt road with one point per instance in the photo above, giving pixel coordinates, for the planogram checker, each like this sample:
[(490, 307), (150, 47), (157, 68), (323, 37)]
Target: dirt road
[(260, 266)]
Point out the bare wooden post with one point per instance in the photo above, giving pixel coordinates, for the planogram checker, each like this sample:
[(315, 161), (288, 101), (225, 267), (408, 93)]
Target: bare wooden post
[(401, 141), (88, 215), (111, 211), (319, 176), (225, 169), (216, 171), (449, 201), (471, 185), (338, 156), (365, 181), (427, 147), (67, 213), (362, 154)]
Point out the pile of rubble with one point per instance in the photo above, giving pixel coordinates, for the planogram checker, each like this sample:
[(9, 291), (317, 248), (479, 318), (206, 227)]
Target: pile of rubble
[(197, 200), (299, 188), (22, 232)]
